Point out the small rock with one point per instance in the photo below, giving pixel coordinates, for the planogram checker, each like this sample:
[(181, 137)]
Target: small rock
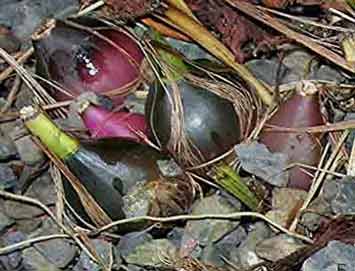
[(29, 152), (169, 168), (245, 255), (7, 177), (327, 73), (137, 201), (341, 195), (5, 222), (59, 252), (312, 220), (136, 104), (266, 70), (25, 16), (258, 160), (42, 189), (103, 249), (35, 261), (28, 226), (7, 148), (7, 41), (189, 50), (203, 232), (73, 121), (130, 241), (12, 261), (277, 247), (298, 62), (175, 236), (284, 201), (25, 94), (132, 267), (287, 198), (335, 256), (215, 252), (278, 216), (151, 253)]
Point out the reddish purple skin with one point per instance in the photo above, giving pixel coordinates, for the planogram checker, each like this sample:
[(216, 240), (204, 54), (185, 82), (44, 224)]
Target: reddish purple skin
[(116, 68), (106, 124), (82, 62), (298, 111)]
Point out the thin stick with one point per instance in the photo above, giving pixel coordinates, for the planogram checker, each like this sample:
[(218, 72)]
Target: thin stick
[(19, 61), (351, 166), (318, 182), (12, 95), (230, 216), (341, 14), (29, 242), (90, 8), (36, 202)]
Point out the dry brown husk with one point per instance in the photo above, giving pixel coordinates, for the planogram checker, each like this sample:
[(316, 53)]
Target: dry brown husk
[(247, 108)]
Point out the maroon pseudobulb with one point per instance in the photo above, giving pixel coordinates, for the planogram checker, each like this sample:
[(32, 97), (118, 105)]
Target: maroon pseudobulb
[(301, 110), (81, 61)]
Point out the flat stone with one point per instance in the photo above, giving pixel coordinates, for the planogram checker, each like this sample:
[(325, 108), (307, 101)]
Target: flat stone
[(59, 252), (280, 217), (298, 62), (327, 73), (5, 221), (7, 148), (130, 241), (28, 226), (35, 261), (175, 235), (287, 198), (151, 253), (7, 177), (284, 201), (312, 220), (29, 152), (277, 247), (25, 16), (42, 189), (340, 194), (335, 256), (256, 159), (203, 232), (266, 70), (245, 255), (12, 261), (169, 168), (214, 253), (190, 50), (103, 249)]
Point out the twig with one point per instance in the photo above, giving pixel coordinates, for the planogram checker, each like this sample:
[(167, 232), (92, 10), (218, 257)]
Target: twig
[(302, 20), (29, 242), (202, 217), (90, 8), (20, 60), (12, 95), (351, 165), (341, 14), (36, 202), (318, 182), (330, 127)]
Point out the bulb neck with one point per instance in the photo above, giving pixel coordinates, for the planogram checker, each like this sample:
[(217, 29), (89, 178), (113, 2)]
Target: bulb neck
[(50, 135)]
